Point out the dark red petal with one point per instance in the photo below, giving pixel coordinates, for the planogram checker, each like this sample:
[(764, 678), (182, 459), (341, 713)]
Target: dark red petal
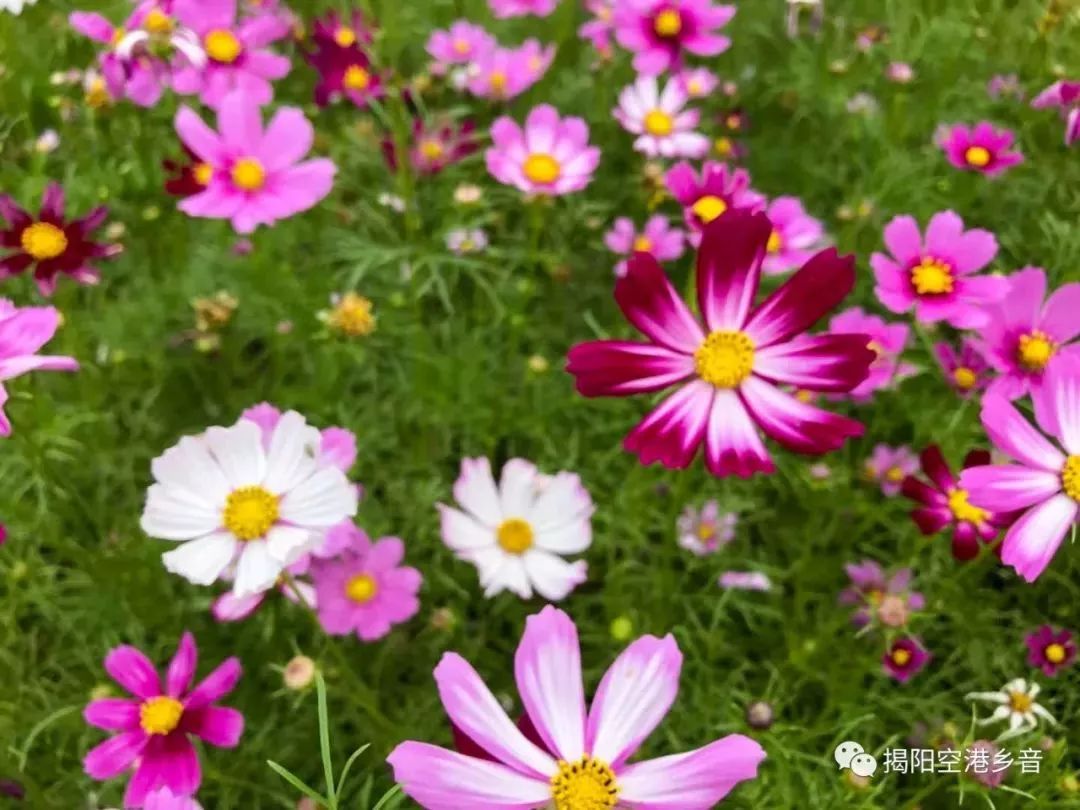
[(651, 304), (931, 521), (729, 267), (977, 458), (934, 465), (615, 368), (965, 544), (836, 363), (922, 492)]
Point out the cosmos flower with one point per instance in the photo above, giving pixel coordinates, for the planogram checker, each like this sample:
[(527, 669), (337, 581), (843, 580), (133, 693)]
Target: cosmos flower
[(231, 498), (698, 82), (154, 729), (504, 73), (516, 532), (657, 238), (1065, 95), (1044, 482), (905, 658), (936, 275), (344, 67), (187, 176), (945, 503), (463, 241), (1050, 651), (1015, 702), (729, 366), (599, 27), (706, 196), (966, 370), (744, 581), (900, 72), (889, 466), (877, 596), (23, 331), (581, 758), (49, 243), (15, 6), (705, 531), (887, 341), (461, 44), (659, 32), (1005, 85), (663, 127), (981, 148), (341, 31), (503, 9), (256, 176), (435, 145), (365, 590), (550, 156), (796, 236)]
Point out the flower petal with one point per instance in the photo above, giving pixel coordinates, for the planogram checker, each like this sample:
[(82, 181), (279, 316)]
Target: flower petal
[(732, 443), (323, 500), (672, 432), (476, 491), (832, 362), (182, 667), (1033, 540), (292, 454), (115, 755), (130, 668), (238, 452), (796, 425), (112, 714), (651, 304), (608, 368), (201, 561), (218, 725), (1014, 435), (729, 267), (1008, 487), (215, 685)]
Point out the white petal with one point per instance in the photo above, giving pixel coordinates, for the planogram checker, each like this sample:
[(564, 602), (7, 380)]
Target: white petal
[(201, 561), (475, 490), (188, 465), (324, 499), (238, 452), (500, 571), (287, 544), (462, 532), (551, 576), (571, 538), (256, 571), (516, 487), (172, 513), (293, 453), (564, 500)]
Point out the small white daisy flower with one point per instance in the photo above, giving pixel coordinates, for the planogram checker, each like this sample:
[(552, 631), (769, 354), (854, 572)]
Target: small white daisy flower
[(664, 128), (231, 500), (515, 532), (1015, 703)]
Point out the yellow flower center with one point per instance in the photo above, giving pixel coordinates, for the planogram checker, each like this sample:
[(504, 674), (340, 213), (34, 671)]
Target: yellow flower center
[(774, 243), (352, 315), (356, 78), (668, 23), (97, 93), (498, 82), (932, 277), (694, 87), (514, 535), (723, 146), (222, 46), (1055, 653), (250, 512), (725, 358), (705, 531), (248, 174), (643, 244), (1035, 350), (202, 172), (875, 596), (160, 715), (432, 150), (461, 46), (587, 784), (708, 208), (361, 588), (345, 36), (964, 511), (965, 378), (658, 122), (1070, 477), (894, 474), (901, 657), (542, 168), (43, 240), (977, 156), (157, 22), (1020, 702)]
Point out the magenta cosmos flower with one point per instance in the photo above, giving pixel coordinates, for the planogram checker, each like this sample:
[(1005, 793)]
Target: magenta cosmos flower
[(657, 238), (460, 44), (904, 659), (664, 128), (659, 31), (887, 341), (503, 9), (551, 156), (504, 73), (936, 275), (706, 197), (1044, 483), (1026, 335), (23, 331), (796, 236), (582, 759), (889, 466), (729, 366), (154, 728), (1065, 95), (255, 175), (965, 368), (344, 31), (49, 243), (343, 66), (945, 503), (880, 597), (981, 148), (435, 145), (1050, 651)]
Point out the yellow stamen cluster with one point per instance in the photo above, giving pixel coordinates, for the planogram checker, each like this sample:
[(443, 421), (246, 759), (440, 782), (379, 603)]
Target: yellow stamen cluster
[(160, 715), (588, 784), (352, 315), (932, 277), (356, 78), (643, 244), (202, 172), (708, 208), (222, 46), (361, 588), (43, 240), (658, 123), (668, 23), (1055, 653), (250, 512), (965, 378), (1070, 477), (1034, 350), (725, 358), (345, 36), (157, 22), (1020, 702), (977, 156), (774, 244), (514, 535), (964, 511), (901, 657), (541, 168), (248, 174)]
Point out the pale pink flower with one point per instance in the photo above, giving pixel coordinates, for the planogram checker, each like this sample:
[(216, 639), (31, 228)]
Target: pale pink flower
[(656, 238), (663, 127), (889, 466), (460, 44), (698, 82), (550, 156), (982, 148), (598, 29), (796, 236), (745, 581), (887, 341), (503, 73)]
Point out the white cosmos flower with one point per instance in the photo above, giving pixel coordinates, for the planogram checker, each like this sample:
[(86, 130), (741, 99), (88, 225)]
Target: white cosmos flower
[(514, 532), (231, 500), (1015, 702), (664, 128), (15, 6)]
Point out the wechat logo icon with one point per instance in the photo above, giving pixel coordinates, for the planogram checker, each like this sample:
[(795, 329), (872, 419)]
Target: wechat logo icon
[(851, 755)]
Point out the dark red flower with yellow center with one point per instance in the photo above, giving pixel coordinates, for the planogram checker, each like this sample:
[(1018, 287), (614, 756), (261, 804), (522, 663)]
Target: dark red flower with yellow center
[(434, 146), (186, 176)]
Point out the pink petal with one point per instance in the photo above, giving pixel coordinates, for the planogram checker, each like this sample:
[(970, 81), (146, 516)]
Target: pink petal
[(1008, 487), (168, 761), (230, 608), (115, 755), (833, 362), (903, 239), (1033, 540), (93, 26), (651, 304), (1059, 396), (198, 137), (240, 123), (618, 367), (942, 233), (287, 139), (26, 331), (796, 425), (338, 448), (1014, 435), (112, 714), (729, 268), (133, 671), (385, 554), (182, 667), (215, 685), (1059, 318), (972, 251), (672, 432), (218, 725), (732, 443)]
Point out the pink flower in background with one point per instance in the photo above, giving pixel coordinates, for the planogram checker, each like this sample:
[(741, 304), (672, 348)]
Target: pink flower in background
[(705, 531), (796, 236), (1065, 95), (23, 331), (550, 156), (658, 32), (366, 590), (1044, 483), (729, 366), (435, 145), (981, 148), (154, 728), (1005, 85), (900, 72), (745, 581), (878, 596), (503, 73), (256, 176), (657, 238), (966, 370), (904, 659), (580, 753), (165, 799), (698, 82), (598, 29), (937, 276), (1050, 651), (887, 341), (706, 196), (460, 44), (663, 127), (521, 8), (889, 466)]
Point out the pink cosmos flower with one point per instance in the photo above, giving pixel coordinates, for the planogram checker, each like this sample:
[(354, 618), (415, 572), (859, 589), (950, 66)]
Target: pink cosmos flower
[(1065, 95), (657, 238), (981, 148), (663, 127), (745, 581), (503, 9), (1005, 85), (1028, 333), (435, 145), (154, 728), (937, 276), (598, 29), (659, 31), (165, 799), (880, 597), (461, 44), (23, 331), (255, 177), (705, 531), (237, 58), (966, 370), (551, 156), (796, 236), (904, 659), (889, 466), (731, 364), (366, 590), (706, 197), (1050, 651), (887, 341), (698, 82), (504, 73), (1044, 483), (900, 72), (582, 758)]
